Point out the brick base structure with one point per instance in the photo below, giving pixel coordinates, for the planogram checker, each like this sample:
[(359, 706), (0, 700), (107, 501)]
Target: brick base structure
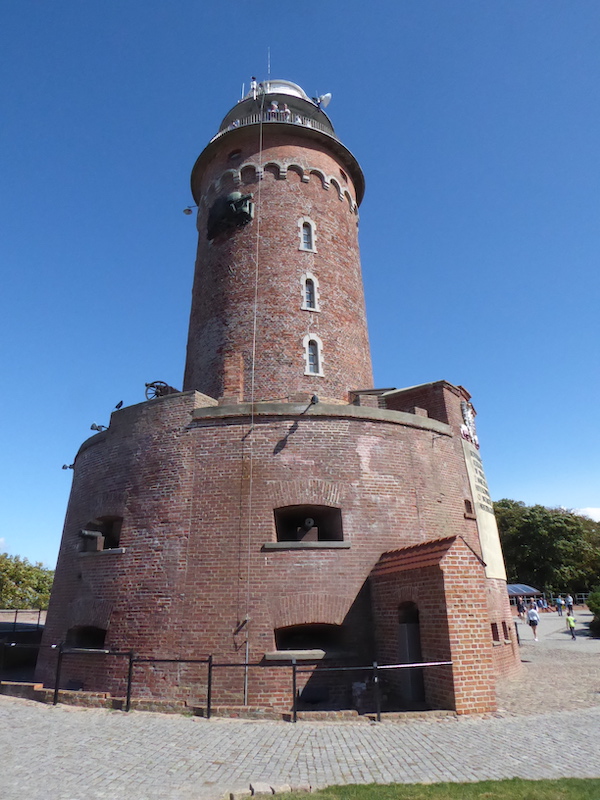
[(280, 507)]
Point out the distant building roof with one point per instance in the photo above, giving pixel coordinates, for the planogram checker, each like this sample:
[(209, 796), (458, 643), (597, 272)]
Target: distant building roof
[(515, 589)]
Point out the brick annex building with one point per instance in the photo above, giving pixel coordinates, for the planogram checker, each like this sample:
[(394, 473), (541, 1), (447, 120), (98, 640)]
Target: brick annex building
[(279, 506)]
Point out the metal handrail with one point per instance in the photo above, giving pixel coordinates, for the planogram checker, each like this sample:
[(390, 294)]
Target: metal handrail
[(133, 660), (277, 116)]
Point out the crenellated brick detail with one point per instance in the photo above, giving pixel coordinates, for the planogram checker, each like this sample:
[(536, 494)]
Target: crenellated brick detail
[(250, 172)]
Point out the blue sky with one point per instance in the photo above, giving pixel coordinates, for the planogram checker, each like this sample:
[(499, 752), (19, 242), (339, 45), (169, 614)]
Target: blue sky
[(477, 126)]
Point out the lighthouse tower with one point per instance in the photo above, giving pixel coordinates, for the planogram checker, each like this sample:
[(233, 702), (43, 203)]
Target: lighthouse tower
[(277, 304), (280, 508)]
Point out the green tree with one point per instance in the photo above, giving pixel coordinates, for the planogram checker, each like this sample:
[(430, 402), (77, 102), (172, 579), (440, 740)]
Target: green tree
[(23, 584), (549, 548)]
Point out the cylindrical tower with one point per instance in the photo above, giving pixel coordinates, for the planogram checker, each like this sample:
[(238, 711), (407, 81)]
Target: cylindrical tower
[(326, 522), (277, 304)]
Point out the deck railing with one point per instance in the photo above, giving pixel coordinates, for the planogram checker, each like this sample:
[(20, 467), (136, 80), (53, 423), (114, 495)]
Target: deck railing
[(278, 116)]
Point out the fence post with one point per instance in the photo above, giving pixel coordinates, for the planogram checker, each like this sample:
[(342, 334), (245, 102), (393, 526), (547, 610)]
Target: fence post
[(517, 632), (14, 630), (39, 618), (129, 679), (377, 694), (2, 659), (209, 687), (294, 691), (57, 676)]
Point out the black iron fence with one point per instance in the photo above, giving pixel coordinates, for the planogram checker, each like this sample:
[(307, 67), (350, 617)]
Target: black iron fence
[(28, 617), (374, 670)]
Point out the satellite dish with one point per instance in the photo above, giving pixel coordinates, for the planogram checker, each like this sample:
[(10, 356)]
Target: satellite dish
[(325, 99)]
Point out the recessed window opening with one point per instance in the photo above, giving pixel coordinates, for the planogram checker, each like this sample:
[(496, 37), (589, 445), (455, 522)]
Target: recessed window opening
[(344, 176), (308, 523), (86, 636), (235, 155), (505, 631), (468, 507), (313, 357), (309, 294), (103, 533), (307, 238), (314, 636), (495, 632)]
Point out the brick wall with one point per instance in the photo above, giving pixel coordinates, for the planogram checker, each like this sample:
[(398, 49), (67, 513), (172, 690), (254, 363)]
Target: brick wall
[(227, 274), (197, 500)]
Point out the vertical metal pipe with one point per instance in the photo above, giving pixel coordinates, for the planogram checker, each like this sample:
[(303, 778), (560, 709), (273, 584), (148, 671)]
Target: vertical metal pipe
[(39, 618), (377, 694), (57, 676), (246, 670), (15, 620), (517, 633), (294, 691), (129, 681), (209, 687)]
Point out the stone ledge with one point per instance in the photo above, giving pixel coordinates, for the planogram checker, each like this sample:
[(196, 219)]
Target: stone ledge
[(110, 551), (292, 410), (306, 546), (299, 655)]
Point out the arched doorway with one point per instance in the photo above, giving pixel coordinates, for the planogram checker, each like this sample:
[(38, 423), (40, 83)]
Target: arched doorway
[(410, 681)]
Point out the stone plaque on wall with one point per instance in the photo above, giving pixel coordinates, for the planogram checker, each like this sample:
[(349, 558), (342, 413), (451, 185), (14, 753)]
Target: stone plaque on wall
[(484, 512)]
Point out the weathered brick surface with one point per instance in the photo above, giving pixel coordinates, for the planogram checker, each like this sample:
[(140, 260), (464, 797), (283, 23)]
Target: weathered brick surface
[(264, 258), (197, 493)]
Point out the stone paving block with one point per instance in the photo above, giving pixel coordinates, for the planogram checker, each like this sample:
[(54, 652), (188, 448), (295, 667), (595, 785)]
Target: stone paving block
[(238, 794), (282, 788), (260, 788)]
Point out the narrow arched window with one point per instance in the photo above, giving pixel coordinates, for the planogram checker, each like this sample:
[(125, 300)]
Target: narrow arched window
[(313, 357), (307, 238), (307, 234), (310, 292), (310, 297)]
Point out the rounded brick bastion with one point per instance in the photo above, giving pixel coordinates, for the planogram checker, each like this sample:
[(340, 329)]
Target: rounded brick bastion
[(197, 488)]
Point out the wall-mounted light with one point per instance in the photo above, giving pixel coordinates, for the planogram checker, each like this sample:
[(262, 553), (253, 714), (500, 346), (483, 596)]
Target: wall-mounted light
[(68, 466), (187, 211), (99, 428)]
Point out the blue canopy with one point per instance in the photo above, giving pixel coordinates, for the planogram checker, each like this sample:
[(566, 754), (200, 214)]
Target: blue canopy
[(515, 589)]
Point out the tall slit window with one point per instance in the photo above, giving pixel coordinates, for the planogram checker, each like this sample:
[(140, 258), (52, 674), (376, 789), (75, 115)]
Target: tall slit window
[(307, 238), (309, 294), (307, 233), (313, 357)]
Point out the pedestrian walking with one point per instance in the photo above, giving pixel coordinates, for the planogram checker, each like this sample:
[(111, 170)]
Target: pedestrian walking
[(520, 607), (559, 605), (533, 619), (571, 624), (569, 604)]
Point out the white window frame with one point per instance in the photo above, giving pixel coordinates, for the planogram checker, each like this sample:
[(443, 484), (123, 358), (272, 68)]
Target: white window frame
[(308, 276), (312, 337), (313, 234)]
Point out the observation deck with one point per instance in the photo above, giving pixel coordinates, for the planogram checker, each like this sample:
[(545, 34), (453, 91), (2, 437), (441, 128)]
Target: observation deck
[(285, 106)]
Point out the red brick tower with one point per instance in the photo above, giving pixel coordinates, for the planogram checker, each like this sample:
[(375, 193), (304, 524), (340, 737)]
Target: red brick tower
[(279, 508), (277, 306)]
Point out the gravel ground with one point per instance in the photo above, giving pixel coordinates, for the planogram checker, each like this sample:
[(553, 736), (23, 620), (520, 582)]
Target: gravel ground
[(558, 674)]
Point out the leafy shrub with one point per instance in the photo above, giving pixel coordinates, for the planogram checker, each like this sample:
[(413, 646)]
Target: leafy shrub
[(593, 601)]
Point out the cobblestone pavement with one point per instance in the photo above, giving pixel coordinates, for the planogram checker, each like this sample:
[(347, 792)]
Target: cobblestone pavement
[(67, 753), (558, 673)]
